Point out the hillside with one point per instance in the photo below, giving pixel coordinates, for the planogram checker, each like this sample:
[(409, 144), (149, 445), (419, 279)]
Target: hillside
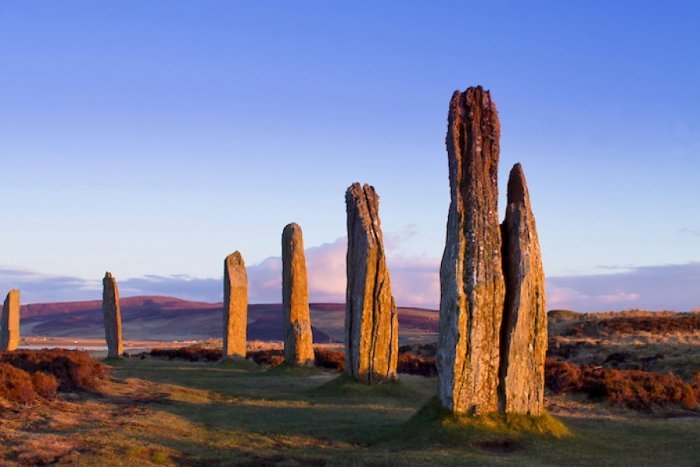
[(169, 318)]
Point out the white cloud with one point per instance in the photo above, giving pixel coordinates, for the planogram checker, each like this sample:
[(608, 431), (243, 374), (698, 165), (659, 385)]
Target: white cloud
[(665, 287)]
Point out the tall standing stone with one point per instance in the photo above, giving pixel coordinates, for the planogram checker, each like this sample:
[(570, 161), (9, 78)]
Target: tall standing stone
[(298, 337), (524, 328), (235, 306), (9, 337), (112, 316), (471, 278), (371, 322)]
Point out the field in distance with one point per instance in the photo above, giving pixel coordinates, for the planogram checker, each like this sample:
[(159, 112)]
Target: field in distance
[(155, 318)]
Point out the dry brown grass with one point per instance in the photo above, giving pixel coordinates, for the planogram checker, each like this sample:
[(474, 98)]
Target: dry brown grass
[(623, 323), (45, 385), (19, 387), (330, 359), (16, 385)]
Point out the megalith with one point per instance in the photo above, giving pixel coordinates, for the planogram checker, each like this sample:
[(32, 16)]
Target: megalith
[(112, 316), (524, 328), (298, 337), (9, 337), (371, 321), (235, 306), (471, 278)]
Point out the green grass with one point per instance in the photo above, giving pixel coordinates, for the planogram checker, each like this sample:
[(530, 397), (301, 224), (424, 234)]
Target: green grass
[(345, 387), (238, 364), (181, 413)]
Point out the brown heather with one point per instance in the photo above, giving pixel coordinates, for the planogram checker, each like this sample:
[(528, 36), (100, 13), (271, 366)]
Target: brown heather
[(75, 370)]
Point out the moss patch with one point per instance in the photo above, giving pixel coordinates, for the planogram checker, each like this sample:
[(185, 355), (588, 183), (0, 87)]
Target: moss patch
[(491, 432)]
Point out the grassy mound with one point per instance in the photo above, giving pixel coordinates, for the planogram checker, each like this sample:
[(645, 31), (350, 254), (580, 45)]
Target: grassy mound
[(491, 432)]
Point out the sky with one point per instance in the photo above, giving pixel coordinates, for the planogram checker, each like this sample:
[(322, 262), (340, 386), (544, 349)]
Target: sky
[(153, 138)]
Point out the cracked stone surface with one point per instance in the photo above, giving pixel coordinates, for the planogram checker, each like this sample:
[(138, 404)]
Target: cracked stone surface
[(524, 328), (298, 336), (371, 321), (235, 306), (472, 285), (112, 316)]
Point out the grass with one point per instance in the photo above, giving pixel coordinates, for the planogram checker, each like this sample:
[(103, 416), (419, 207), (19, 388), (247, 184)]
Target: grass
[(180, 413), (345, 387)]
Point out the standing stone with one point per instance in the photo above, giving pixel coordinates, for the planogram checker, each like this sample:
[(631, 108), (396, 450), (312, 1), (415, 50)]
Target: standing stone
[(471, 278), (371, 322), (9, 338), (298, 337), (112, 316), (235, 306), (524, 328)]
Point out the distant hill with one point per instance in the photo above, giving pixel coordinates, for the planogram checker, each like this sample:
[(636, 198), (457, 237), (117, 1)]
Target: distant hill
[(169, 318)]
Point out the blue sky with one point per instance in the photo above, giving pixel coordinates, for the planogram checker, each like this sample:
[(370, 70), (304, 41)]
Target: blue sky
[(155, 137)]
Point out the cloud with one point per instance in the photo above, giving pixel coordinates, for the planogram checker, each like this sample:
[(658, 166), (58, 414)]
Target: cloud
[(665, 287), (415, 282), (37, 287), (689, 231)]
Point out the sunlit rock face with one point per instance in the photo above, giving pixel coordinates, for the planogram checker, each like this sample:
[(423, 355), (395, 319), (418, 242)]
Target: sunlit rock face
[(235, 306), (524, 336), (472, 287), (371, 321), (9, 337), (298, 337), (112, 316)]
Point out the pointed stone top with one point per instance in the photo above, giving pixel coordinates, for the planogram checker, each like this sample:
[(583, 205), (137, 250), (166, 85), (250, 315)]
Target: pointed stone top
[(293, 227), (235, 258), (517, 186), (363, 200), (13, 295)]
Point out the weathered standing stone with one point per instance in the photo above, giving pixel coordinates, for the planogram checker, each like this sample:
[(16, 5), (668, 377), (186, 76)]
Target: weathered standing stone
[(524, 328), (371, 322), (471, 278), (235, 306), (9, 337), (112, 316), (298, 337)]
